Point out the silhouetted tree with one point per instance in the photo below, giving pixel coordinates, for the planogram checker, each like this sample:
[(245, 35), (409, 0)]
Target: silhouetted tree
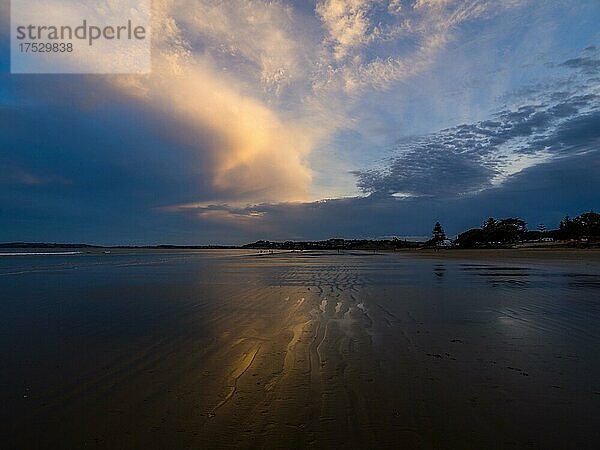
[(590, 224), (438, 234), (489, 224), (474, 237), (494, 233), (505, 231), (586, 225)]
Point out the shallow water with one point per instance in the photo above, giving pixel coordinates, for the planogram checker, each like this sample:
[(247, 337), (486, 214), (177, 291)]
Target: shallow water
[(221, 349)]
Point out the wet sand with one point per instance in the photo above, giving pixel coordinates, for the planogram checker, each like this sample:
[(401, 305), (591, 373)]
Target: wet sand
[(528, 254), (299, 350)]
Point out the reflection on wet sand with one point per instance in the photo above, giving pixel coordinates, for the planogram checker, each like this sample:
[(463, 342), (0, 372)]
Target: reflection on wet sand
[(439, 270), (313, 350)]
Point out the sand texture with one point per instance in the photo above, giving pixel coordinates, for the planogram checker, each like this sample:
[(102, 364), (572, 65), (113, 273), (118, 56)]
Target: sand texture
[(234, 349)]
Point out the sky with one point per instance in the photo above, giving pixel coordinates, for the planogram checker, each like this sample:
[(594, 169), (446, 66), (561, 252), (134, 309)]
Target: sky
[(273, 119)]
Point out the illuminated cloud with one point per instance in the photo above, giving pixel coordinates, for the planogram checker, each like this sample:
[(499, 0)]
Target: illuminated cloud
[(255, 94), (254, 152), (347, 23), (262, 35)]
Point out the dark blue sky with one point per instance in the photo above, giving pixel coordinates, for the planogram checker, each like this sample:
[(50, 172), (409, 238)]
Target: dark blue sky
[(350, 118)]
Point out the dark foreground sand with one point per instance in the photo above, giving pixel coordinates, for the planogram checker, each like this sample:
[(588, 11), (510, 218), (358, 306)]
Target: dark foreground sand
[(313, 350)]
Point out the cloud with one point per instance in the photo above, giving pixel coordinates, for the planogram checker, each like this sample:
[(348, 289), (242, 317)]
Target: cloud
[(9, 174), (258, 148), (253, 94), (265, 37), (254, 154), (250, 150), (543, 193), (356, 30), (249, 147), (471, 158), (588, 65), (347, 23), (246, 219)]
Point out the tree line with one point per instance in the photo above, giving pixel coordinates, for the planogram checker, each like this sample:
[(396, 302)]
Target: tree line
[(494, 233), (510, 231)]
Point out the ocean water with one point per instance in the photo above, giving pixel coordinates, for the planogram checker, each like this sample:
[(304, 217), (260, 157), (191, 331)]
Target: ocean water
[(233, 348)]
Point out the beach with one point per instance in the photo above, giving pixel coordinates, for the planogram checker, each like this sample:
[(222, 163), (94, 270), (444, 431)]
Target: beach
[(240, 349), (541, 255)]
